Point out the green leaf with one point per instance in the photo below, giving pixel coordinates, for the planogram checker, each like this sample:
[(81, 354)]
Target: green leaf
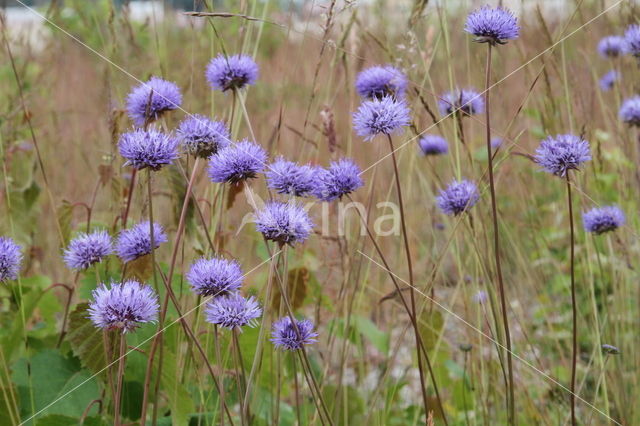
[(368, 329), (87, 342), (180, 400)]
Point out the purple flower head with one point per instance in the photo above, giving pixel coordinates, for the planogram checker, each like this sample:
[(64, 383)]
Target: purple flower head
[(632, 40), (88, 249), (480, 297), (433, 145), (630, 111), (467, 101), (237, 162), (123, 306), (380, 116), (379, 81), (284, 223), (561, 153), (496, 142), (136, 241), (458, 197), (285, 335), (148, 148), (492, 25), (203, 137), (603, 219), (10, 259), (342, 177), (608, 80), (233, 311), (147, 102), (232, 72), (610, 349), (612, 46), (215, 277), (287, 177)]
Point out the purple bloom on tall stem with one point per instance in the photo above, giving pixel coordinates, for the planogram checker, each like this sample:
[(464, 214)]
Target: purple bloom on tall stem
[(284, 223), (202, 136), (609, 80), (231, 72), (233, 311), (467, 101), (342, 177), (492, 25), (458, 197), (561, 153), (237, 162), (603, 219), (496, 142), (135, 242), (612, 46), (433, 145), (148, 148), (285, 336), (215, 277), (123, 306), (632, 40), (88, 249), (287, 177), (148, 101), (380, 116), (379, 81), (10, 259), (630, 111)]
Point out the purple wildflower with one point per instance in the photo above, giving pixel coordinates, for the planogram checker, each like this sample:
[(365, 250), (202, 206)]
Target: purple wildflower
[(215, 277), (603, 219), (480, 297), (612, 47), (496, 142), (632, 40), (561, 153), (135, 242), (148, 101), (630, 111), (342, 177), (610, 349), (287, 177), (285, 335), (608, 80), (458, 197), (433, 145), (123, 306), (88, 249), (380, 116), (467, 101), (492, 25), (237, 162), (284, 223), (10, 259), (233, 311), (148, 148), (232, 72), (202, 136), (379, 81)]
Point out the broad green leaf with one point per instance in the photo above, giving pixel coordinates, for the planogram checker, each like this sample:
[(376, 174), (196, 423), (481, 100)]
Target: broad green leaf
[(87, 342)]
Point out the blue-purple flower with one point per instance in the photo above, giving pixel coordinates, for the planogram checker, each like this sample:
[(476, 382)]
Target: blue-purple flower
[(561, 153), (10, 259), (135, 242), (609, 80), (237, 162), (202, 136), (231, 72), (492, 25), (148, 148), (342, 177), (630, 111), (379, 81), (284, 223), (233, 311), (496, 142), (458, 197), (215, 276), (632, 40), (148, 101), (467, 101), (603, 219), (380, 116), (287, 177), (123, 306), (285, 335), (612, 47), (88, 249), (433, 145)]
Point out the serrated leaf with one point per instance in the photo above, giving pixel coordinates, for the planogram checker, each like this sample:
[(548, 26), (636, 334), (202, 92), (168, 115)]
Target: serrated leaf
[(139, 269), (87, 342)]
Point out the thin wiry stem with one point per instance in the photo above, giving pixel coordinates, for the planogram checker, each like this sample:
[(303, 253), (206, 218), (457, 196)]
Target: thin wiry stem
[(118, 395), (574, 309)]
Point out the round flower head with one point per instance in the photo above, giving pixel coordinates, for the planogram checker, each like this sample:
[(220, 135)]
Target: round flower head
[(608, 80), (630, 111), (123, 306), (603, 219), (284, 223), (611, 47), (496, 142), (149, 100), (342, 177), (215, 277), (458, 197), (632, 40), (232, 72), (610, 349), (467, 101), (203, 137), (237, 162), (285, 335), (148, 148), (88, 249), (10, 259), (480, 297), (136, 242), (380, 116), (379, 81), (433, 145), (492, 25), (561, 153), (233, 311), (287, 177)]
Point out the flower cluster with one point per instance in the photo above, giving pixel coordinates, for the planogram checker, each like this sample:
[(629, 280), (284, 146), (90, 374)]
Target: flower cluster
[(123, 306), (458, 197), (433, 145), (287, 177), (561, 153), (148, 101), (630, 111), (379, 81), (287, 335), (342, 177), (380, 116), (88, 249), (10, 259), (202, 136), (632, 40), (231, 72), (148, 148), (609, 80), (284, 223), (603, 219), (237, 163), (136, 242), (492, 25), (215, 277), (467, 101), (612, 47), (233, 311)]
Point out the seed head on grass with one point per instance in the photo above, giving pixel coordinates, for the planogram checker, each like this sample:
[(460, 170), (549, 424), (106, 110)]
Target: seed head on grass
[(380, 116), (215, 276), (202, 136), (603, 219), (148, 101), (148, 148), (433, 145), (135, 242), (379, 81), (10, 259), (284, 335), (233, 311), (88, 249), (123, 306), (284, 223), (492, 25), (237, 162), (465, 101), (630, 111), (287, 177), (342, 177), (612, 47), (561, 153), (609, 80), (458, 197), (632, 40), (231, 72)]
